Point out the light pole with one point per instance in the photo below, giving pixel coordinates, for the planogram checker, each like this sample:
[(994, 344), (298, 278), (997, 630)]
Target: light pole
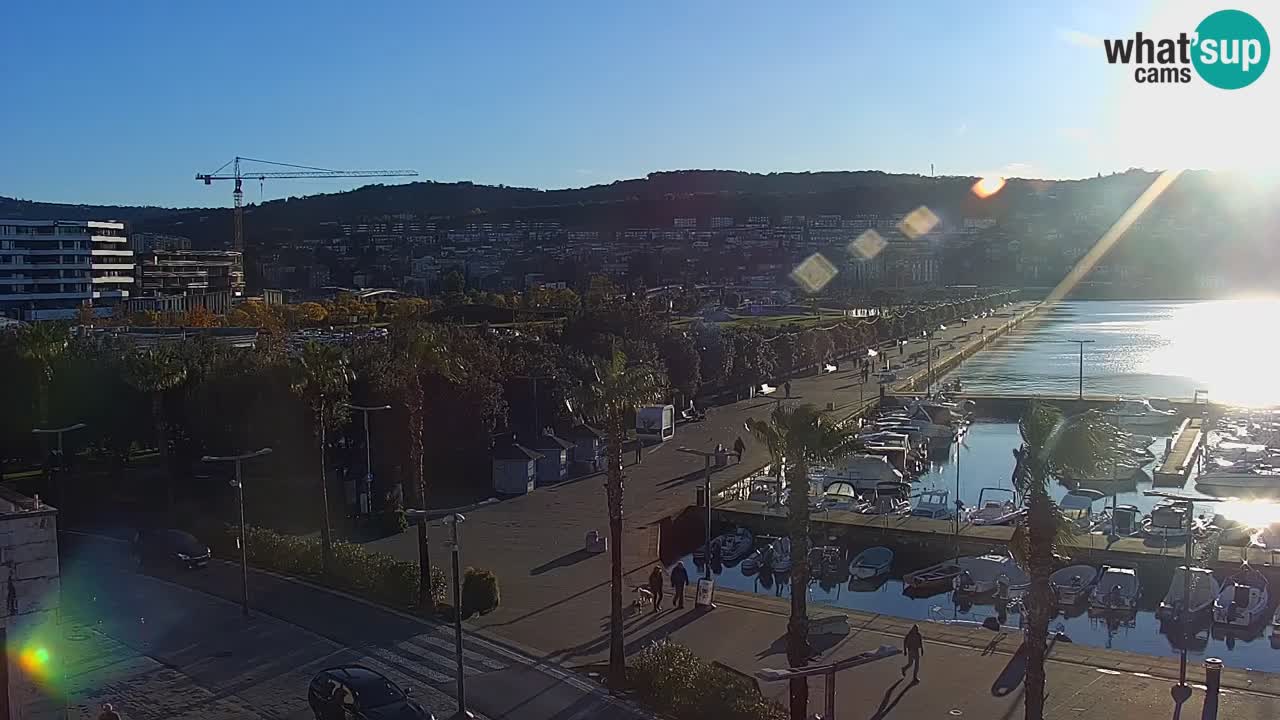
[(61, 457), (238, 484), (706, 480), (368, 452), (453, 521), (1081, 343)]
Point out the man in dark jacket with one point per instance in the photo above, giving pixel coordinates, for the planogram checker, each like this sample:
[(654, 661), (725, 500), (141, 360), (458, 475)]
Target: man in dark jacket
[(679, 578), (655, 587), (913, 646)]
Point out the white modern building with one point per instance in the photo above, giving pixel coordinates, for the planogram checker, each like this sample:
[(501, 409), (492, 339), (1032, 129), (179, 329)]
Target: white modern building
[(50, 268)]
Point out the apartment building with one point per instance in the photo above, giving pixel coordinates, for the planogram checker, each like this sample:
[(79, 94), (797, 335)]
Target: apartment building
[(181, 280), (50, 268)]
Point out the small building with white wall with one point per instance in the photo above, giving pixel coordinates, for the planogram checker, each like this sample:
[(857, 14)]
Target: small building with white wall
[(31, 585), (515, 469)]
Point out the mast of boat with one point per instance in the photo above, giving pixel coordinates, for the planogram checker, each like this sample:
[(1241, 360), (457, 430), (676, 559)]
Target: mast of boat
[(959, 443)]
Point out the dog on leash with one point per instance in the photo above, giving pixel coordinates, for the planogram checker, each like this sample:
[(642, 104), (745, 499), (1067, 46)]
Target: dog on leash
[(643, 599)]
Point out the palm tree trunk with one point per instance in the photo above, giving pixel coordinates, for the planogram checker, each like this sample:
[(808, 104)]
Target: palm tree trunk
[(326, 533), (798, 624), (426, 596), (1041, 527), (617, 659)]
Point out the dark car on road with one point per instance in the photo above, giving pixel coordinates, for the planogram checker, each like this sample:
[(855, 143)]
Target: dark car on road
[(354, 692), (171, 548)]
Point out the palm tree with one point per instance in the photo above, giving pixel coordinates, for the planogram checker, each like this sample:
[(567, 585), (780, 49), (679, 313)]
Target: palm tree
[(797, 437), (43, 344), (320, 375), (155, 371), (617, 389), (1052, 447)]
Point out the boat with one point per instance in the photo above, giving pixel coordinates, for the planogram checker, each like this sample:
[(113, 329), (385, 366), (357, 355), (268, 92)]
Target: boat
[(1077, 507), (841, 495), (889, 499), (826, 561), (1121, 521), (1073, 583), (993, 512), (735, 545), (1226, 474), (1167, 522), (933, 578), (986, 574), (1117, 473), (861, 470), (1204, 590), (759, 561), (871, 563), (781, 553), (1139, 414), (1117, 590), (1243, 599), (933, 504)]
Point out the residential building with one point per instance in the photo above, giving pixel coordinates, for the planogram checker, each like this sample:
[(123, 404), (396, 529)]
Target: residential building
[(50, 268), (181, 280)]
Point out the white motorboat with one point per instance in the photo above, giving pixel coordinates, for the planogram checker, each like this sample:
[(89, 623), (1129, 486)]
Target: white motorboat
[(1229, 475), (781, 553), (862, 471), (1117, 590), (1167, 522), (889, 499), (841, 495), (1137, 414), (933, 578), (871, 563), (1121, 521), (933, 504), (1073, 583), (993, 511), (984, 574), (1243, 599), (735, 545), (1077, 507), (1204, 591)]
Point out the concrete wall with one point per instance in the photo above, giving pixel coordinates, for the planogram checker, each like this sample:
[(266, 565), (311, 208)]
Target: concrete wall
[(30, 585)]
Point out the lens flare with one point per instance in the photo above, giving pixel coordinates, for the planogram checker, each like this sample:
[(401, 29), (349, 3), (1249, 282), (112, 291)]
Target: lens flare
[(868, 245), (918, 223), (988, 186), (814, 273)]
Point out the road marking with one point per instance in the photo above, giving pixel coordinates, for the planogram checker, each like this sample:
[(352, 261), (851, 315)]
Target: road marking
[(403, 665), (436, 642)]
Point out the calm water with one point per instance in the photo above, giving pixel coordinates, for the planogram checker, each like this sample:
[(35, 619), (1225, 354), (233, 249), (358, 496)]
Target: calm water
[(1139, 349), (985, 460)]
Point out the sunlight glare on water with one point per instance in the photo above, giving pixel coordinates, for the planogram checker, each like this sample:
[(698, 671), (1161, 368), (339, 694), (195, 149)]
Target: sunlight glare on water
[(1228, 346)]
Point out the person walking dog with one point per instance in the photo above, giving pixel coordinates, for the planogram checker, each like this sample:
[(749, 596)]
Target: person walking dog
[(655, 587)]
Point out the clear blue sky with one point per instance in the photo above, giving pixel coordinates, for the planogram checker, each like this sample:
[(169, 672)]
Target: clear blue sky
[(124, 102)]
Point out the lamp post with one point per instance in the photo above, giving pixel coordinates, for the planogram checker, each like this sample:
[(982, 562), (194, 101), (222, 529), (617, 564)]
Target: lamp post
[(706, 480), (61, 457), (453, 521), (1081, 343), (368, 451), (238, 484)]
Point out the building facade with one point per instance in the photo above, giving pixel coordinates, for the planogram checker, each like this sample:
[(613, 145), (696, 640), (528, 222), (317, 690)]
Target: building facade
[(50, 268), (181, 280)]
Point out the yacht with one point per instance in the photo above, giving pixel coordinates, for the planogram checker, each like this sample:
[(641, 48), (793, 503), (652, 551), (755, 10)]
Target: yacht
[(983, 575), (1117, 590), (1229, 475), (871, 563), (993, 511), (861, 470), (1243, 599), (933, 504), (1073, 583), (1138, 414), (1204, 590)]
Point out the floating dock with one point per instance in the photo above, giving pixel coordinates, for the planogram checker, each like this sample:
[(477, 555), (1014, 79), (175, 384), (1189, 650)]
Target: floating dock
[(1184, 450)]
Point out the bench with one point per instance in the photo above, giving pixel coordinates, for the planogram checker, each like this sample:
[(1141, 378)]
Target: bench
[(829, 625)]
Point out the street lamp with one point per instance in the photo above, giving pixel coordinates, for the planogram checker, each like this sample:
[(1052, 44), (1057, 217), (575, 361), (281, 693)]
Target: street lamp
[(829, 670), (1182, 691), (1081, 343), (453, 521), (238, 484), (59, 432), (368, 454), (706, 479)]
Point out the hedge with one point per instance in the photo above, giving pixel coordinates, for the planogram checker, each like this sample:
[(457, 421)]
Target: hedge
[(374, 575), (675, 683), (479, 591)]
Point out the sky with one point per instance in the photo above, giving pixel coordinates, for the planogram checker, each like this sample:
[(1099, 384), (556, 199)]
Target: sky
[(124, 103)]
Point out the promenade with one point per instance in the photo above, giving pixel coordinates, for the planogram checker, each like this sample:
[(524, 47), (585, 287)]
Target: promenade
[(555, 596)]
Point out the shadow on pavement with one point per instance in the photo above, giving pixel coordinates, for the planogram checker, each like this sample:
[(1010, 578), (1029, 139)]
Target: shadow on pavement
[(887, 705), (565, 560), (1011, 677)]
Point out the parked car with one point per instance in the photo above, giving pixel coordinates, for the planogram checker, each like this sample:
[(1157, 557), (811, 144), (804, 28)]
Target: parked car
[(175, 548), (354, 692)]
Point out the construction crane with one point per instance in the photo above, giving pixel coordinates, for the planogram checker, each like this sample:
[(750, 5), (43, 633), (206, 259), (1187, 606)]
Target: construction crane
[(295, 172)]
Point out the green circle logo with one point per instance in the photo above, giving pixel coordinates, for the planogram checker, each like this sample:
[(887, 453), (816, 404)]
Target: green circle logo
[(1232, 49)]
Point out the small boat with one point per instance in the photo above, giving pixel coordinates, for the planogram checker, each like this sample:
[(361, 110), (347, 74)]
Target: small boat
[(1117, 590), (871, 563), (1204, 590), (1121, 521), (933, 578), (993, 512), (1077, 507), (1167, 522), (1243, 599), (985, 574), (759, 561), (826, 561), (782, 555), (735, 545), (1138, 414), (933, 504), (841, 495), (1073, 583)]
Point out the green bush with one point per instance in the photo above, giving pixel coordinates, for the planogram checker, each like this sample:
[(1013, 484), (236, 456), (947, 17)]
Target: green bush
[(394, 521), (676, 683), (479, 591)]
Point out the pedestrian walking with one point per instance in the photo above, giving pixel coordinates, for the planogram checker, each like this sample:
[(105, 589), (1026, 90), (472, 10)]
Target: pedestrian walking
[(655, 587), (786, 387), (738, 448), (108, 712), (679, 578), (639, 450), (913, 646)]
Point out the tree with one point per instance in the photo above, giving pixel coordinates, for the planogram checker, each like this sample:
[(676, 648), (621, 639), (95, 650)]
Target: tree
[(679, 353), (796, 438), (1052, 447), (155, 371), (453, 282), (617, 389), (200, 317), (753, 359), (321, 376), (716, 353), (42, 344)]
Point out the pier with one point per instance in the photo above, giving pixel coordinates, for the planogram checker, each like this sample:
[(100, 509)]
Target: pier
[(1184, 450)]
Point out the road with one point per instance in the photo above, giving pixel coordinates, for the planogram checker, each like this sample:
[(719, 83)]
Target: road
[(175, 645)]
